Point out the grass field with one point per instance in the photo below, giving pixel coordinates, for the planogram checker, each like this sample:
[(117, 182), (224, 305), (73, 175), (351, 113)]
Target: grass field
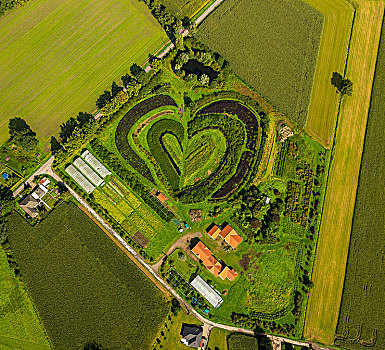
[(218, 339), (332, 249), (277, 55), (83, 285), (332, 56), (20, 327), (58, 56), (184, 8), (361, 315)]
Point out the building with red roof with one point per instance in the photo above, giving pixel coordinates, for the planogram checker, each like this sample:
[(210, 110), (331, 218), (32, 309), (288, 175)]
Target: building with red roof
[(214, 232), (213, 265), (231, 236)]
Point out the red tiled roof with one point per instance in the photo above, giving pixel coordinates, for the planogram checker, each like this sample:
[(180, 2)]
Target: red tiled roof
[(226, 231), (214, 232), (231, 236)]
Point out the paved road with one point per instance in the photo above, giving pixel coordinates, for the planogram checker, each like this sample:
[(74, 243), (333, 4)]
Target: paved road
[(46, 168)]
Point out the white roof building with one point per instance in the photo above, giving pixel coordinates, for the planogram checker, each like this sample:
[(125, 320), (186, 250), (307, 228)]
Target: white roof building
[(207, 292), (86, 170), (95, 164), (80, 179)]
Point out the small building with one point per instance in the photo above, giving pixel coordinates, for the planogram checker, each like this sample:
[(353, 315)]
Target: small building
[(228, 273), (267, 199), (192, 335), (231, 236), (204, 254), (39, 192), (214, 232), (29, 204)]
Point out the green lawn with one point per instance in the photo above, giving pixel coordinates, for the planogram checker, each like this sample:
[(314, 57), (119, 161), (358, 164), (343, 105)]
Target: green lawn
[(19, 324), (218, 339), (57, 57)]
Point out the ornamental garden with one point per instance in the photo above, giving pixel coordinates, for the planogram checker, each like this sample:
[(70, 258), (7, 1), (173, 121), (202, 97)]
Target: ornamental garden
[(209, 184)]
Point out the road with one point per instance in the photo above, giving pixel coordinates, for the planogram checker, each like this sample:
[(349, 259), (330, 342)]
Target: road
[(185, 32), (46, 168), (208, 11)]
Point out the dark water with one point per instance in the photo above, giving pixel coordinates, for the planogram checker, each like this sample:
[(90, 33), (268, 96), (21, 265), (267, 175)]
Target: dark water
[(197, 68)]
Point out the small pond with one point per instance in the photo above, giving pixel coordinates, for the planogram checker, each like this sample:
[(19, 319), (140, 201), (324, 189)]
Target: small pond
[(197, 68)]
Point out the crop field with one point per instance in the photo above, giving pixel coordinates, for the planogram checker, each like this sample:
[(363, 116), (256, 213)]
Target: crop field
[(184, 8), (361, 322), (332, 249), (19, 324), (84, 287), (63, 49), (331, 58), (279, 57)]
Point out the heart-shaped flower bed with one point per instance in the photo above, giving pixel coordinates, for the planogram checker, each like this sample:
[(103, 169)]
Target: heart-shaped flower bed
[(209, 158)]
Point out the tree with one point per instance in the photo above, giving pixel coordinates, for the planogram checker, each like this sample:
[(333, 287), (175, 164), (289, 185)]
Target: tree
[(83, 117), (344, 86), (126, 79), (55, 145), (18, 125), (204, 79), (103, 99), (6, 199), (115, 88), (67, 128), (21, 134)]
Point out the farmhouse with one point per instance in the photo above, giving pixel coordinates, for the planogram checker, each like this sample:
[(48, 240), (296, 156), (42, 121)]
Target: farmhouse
[(206, 291), (31, 201), (28, 204), (192, 336), (213, 265), (203, 253), (228, 234)]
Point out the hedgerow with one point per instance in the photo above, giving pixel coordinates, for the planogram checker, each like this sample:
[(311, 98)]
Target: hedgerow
[(125, 125), (234, 132), (160, 152)]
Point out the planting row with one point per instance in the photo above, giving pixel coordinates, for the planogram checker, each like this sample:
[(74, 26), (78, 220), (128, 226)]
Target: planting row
[(125, 125), (158, 150), (243, 113), (233, 131)]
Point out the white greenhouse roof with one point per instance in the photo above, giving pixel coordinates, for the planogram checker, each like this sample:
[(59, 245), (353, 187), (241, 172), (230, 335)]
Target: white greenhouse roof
[(207, 292), (80, 178), (88, 172), (94, 162)]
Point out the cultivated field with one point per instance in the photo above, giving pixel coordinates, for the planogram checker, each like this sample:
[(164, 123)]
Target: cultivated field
[(332, 250), (83, 285), (361, 320), (277, 56), (19, 324), (58, 56), (185, 8), (332, 57)]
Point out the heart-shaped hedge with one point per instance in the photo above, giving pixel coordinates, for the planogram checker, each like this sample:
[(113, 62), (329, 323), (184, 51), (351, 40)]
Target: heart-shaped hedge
[(170, 146)]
